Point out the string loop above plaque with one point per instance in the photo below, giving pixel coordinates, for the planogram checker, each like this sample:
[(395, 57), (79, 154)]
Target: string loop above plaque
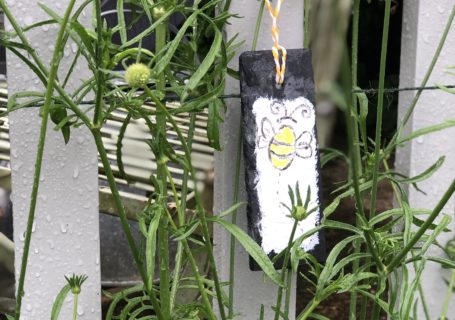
[(277, 49)]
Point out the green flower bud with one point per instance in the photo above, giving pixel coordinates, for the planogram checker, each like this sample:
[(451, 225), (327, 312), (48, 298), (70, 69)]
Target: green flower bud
[(299, 213), (75, 283), (75, 290), (137, 75), (158, 12)]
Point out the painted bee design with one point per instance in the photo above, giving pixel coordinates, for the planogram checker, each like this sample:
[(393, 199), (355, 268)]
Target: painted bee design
[(283, 140)]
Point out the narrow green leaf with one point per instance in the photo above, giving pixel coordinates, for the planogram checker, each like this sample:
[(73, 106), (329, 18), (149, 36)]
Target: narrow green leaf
[(57, 306), (442, 225), (86, 39), (445, 263), (148, 31), (150, 247), (332, 207), (193, 82), (408, 301), (418, 222), (201, 102), (121, 21), (328, 154), (164, 61), (232, 209), (427, 173), (383, 304), (363, 113), (188, 232), (331, 224), (349, 193), (424, 131), (146, 8), (327, 272), (254, 250), (213, 131)]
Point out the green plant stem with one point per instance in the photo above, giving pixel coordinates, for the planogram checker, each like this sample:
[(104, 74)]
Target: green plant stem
[(308, 310), (421, 231), (287, 298), (163, 232), (235, 200), (376, 312), (400, 204), (351, 125), (445, 307), (98, 113), (181, 213), (191, 259), (55, 62), (199, 209), (115, 193), (354, 63), (178, 256), (378, 133), (257, 28), (284, 272), (380, 108), (123, 218), (306, 24), (75, 300)]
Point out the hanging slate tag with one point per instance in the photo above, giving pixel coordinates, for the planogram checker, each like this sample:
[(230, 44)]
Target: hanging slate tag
[(280, 149)]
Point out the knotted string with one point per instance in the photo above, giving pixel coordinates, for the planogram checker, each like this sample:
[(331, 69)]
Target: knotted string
[(277, 48)]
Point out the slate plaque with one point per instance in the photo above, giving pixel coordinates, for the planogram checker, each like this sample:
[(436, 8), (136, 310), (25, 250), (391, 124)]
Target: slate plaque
[(280, 149)]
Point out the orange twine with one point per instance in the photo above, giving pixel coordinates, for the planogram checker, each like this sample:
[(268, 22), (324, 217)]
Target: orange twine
[(280, 65)]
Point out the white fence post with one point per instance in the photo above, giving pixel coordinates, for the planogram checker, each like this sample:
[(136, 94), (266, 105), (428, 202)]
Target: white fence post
[(423, 25), (65, 236), (250, 288)]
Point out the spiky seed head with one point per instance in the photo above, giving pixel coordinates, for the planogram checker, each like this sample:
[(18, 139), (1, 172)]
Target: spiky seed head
[(137, 75)]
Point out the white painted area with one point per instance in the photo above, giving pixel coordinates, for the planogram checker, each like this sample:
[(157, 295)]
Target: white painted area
[(250, 289), (272, 184), (65, 236), (423, 24)]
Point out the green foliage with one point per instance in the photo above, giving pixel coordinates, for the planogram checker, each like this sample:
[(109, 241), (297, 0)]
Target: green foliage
[(191, 67)]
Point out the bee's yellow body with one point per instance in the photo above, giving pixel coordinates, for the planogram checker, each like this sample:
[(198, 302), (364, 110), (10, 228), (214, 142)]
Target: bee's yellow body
[(282, 148)]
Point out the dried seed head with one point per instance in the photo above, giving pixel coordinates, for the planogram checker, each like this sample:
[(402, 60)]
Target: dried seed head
[(137, 75)]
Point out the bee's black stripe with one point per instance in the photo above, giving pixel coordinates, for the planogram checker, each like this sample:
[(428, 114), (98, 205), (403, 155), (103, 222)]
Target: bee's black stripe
[(284, 144), (283, 156)]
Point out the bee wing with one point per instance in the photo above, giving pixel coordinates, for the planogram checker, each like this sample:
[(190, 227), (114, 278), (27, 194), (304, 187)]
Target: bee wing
[(267, 128), (304, 110), (278, 108), (303, 147), (267, 133)]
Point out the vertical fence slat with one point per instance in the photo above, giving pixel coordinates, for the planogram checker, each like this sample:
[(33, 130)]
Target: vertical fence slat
[(423, 25), (250, 289), (65, 236)]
